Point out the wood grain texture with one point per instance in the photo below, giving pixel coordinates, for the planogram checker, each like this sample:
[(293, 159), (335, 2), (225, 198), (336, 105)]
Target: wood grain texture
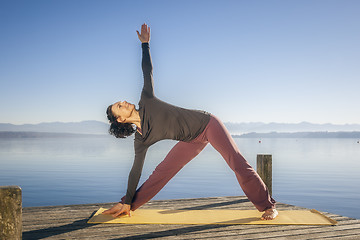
[(10, 212), (69, 222), (264, 169)]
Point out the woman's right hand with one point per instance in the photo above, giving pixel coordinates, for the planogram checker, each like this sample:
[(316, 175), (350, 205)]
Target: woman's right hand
[(119, 209), (144, 36)]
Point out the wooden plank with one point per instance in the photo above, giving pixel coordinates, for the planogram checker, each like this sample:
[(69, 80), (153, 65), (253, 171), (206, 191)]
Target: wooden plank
[(10, 212), (264, 169)]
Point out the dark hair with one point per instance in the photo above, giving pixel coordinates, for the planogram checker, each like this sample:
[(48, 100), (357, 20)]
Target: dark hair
[(119, 130)]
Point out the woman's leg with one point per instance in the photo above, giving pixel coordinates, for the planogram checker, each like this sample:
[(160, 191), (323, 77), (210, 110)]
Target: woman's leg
[(249, 180), (176, 159)]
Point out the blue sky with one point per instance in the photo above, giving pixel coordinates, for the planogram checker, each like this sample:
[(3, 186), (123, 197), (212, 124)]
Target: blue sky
[(244, 61)]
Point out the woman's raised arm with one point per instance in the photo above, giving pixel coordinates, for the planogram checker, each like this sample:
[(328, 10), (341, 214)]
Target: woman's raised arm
[(147, 67)]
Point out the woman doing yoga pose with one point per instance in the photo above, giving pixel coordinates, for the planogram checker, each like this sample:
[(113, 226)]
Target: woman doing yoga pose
[(156, 120)]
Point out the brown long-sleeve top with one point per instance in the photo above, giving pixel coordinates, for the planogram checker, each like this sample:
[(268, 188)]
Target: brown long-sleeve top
[(159, 120)]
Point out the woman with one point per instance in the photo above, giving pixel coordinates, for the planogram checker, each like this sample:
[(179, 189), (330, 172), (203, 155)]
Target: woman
[(156, 120)]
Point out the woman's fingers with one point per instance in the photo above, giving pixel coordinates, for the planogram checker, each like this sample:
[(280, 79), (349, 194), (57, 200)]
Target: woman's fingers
[(117, 214), (114, 209), (109, 211), (139, 36), (143, 28), (106, 211), (125, 210), (118, 210), (121, 212)]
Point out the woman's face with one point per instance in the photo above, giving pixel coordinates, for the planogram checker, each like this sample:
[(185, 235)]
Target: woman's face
[(122, 110)]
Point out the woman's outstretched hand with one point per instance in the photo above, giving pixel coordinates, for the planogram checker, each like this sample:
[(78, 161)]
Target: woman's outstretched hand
[(145, 33), (119, 209)]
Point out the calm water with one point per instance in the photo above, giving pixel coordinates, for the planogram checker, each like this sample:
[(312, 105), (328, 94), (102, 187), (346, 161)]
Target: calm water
[(313, 173)]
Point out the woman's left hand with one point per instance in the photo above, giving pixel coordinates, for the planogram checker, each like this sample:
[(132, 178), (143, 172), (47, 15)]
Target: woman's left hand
[(144, 36), (119, 209)]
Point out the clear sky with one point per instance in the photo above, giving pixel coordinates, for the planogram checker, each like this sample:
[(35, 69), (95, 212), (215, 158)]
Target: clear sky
[(244, 61)]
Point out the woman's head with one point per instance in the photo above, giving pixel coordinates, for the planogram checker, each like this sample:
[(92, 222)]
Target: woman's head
[(122, 111), (118, 115)]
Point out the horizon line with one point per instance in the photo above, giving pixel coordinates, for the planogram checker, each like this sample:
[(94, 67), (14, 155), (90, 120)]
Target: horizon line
[(300, 122)]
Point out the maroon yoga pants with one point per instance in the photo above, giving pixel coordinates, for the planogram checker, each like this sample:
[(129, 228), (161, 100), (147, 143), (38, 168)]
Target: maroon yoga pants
[(217, 135)]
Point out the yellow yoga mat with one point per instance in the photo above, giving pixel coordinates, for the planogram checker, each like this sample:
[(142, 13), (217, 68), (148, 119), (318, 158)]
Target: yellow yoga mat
[(163, 216)]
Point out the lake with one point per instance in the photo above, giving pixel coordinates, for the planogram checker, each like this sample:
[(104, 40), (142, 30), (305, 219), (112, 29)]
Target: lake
[(319, 173)]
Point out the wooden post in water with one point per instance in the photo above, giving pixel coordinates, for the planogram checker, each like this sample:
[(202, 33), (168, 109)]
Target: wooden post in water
[(10, 212), (264, 169)]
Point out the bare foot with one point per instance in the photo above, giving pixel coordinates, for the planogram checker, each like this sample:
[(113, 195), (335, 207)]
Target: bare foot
[(270, 214)]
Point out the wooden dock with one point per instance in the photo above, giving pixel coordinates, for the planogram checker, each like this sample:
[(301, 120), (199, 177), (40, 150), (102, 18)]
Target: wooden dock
[(70, 222)]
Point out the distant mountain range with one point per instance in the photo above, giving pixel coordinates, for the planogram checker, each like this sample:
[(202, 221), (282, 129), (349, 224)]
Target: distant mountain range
[(354, 134), (4, 134), (97, 127), (85, 127), (259, 127)]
